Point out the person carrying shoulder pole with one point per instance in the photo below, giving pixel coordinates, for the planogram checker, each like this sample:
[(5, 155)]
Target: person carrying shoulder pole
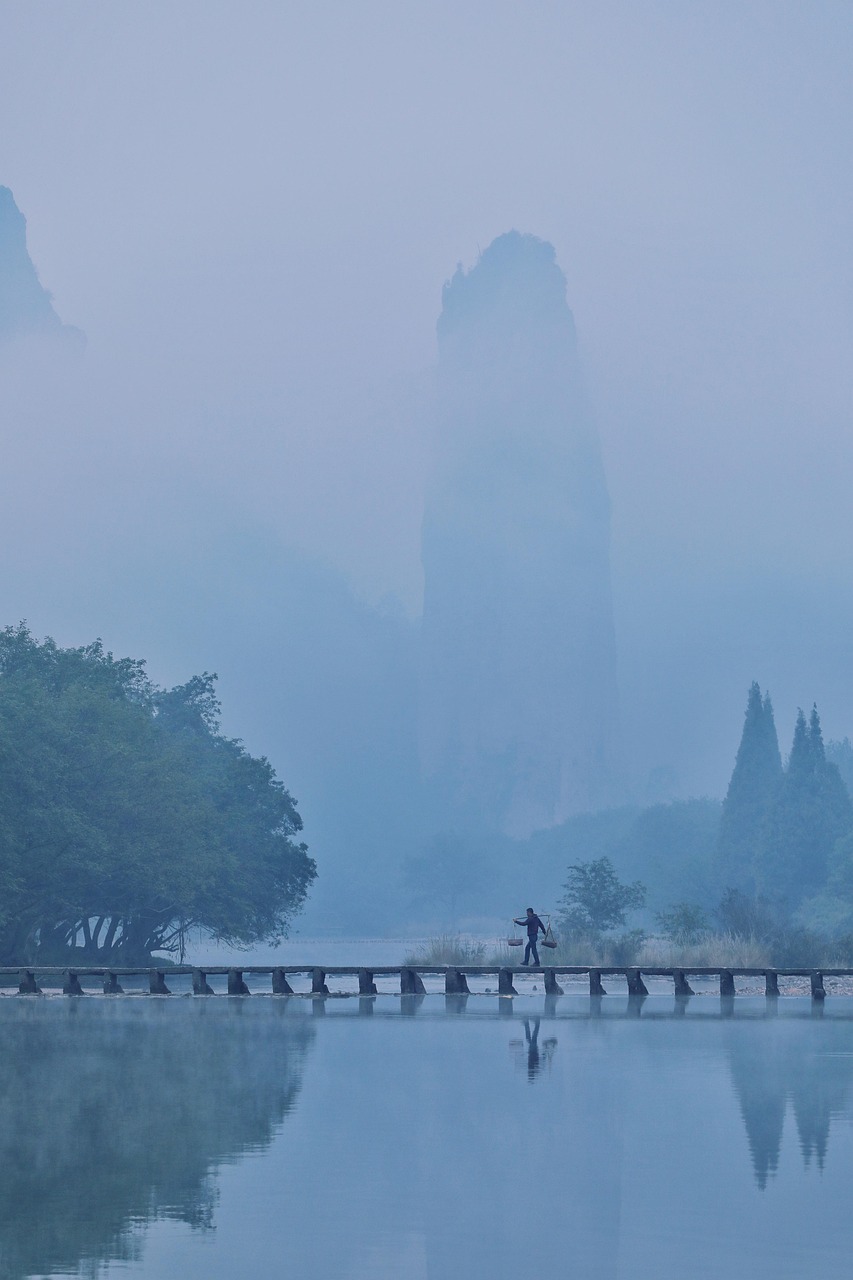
[(534, 924)]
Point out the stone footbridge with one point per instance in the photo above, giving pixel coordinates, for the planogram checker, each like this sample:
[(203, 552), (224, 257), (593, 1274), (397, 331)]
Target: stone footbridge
[(407, 979)]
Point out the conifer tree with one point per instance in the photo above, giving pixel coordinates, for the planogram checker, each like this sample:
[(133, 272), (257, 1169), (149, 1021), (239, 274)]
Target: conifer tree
[(751, 796), (812, 812), (841, 754)]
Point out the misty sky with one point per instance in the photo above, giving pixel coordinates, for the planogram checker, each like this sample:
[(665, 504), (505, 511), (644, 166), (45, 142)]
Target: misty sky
[(251, 210)]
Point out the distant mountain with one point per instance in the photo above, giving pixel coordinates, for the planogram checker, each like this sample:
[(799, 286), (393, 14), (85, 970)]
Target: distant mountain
[(26, 308), (519, 723)]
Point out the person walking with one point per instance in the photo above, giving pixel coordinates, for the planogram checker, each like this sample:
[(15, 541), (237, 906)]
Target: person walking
[(534, 924)]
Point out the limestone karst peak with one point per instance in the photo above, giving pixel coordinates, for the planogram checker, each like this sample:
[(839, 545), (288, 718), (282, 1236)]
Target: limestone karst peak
[(26, 307), (519, 715)]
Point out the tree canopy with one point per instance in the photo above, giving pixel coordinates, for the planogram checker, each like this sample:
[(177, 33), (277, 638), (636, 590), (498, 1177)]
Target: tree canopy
[(751, 795), (596, 900), (812, 812), (785, 833), (127, 818)]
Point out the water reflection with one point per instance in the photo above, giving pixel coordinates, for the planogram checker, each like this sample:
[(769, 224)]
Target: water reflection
[(114, 1113), (529, 1049), (791, 1074), (405, 1132)]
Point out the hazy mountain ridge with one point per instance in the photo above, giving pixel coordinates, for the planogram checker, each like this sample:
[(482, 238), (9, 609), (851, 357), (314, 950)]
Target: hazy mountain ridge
[(26, 307)]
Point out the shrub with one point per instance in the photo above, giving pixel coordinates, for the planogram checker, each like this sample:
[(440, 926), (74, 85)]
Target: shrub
[(683, 923)]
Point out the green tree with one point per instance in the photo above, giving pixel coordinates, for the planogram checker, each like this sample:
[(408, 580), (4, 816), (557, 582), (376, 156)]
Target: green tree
[(812, 812), (126, 818), (751, 796), (596, 900), (684, 923), (841, 755), (746, 915)]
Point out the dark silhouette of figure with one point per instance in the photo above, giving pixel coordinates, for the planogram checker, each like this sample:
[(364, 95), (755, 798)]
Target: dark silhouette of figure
[(533, 924), (538, 1055), (534, 1064)]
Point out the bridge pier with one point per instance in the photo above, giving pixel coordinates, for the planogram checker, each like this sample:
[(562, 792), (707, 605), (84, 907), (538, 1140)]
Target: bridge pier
[(727, 983), (157, 983), (318, 982), (682, 986), (112, 986), (552, 986), (771, 982), (71, 985), (411, 983), (280, 985), (366, 985), (818, 992), (236, 985), (201, 986), (505, 987), (28, 985), (456, 1001), (455, 983), (636, 986), (595, 987)]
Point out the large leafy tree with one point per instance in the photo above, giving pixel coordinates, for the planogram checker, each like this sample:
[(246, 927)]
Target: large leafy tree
[(127, 818)]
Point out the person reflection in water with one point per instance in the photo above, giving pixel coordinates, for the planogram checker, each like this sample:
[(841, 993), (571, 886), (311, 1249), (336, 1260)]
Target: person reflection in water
[(534, 924), (533, 1062), (536, 1057)]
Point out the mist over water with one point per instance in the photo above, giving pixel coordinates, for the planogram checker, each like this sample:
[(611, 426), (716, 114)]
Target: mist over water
[(343, 1138)]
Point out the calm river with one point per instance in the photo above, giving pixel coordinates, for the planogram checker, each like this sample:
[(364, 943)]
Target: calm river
[(267, 1137)]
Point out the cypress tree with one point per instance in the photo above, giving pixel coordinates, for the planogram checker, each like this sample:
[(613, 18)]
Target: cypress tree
[(812, 812), (750, 798), (841, 754)]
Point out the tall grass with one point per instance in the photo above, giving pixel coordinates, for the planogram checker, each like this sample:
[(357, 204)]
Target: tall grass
[(448, 948), (730, 950), (726, 950)]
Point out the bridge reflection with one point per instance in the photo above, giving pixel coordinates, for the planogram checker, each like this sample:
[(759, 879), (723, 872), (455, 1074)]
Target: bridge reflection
[(116, 1112)]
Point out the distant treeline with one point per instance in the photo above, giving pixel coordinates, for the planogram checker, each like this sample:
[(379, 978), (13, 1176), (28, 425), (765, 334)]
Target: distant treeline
[(775, 855), (127, 818), (786, 832)]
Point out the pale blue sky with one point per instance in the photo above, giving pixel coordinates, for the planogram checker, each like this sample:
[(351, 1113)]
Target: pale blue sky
[(251, 210)]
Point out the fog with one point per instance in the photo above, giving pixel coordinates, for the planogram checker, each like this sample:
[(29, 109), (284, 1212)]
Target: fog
[(251, 218)]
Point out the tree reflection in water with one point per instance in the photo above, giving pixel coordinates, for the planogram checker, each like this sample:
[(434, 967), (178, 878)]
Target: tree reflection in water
[(786, 1071), (116, 1112)]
